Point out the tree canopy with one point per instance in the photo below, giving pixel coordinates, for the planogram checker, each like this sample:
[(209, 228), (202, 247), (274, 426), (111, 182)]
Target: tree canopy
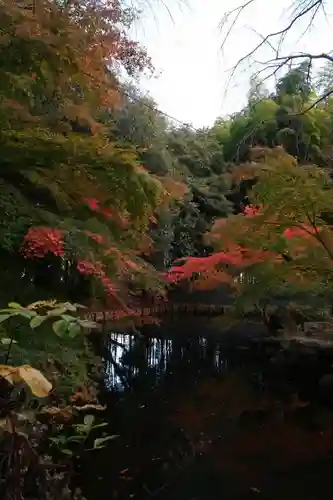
[(68, 189), (278, 156)]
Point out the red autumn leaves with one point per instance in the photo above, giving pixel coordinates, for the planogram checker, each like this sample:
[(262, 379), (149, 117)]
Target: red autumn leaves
[(96, 237), (95, 205), (251, 211), (41, 241), (299, 231), (224, 266), (219, 267), (237, 256), (96, 269)]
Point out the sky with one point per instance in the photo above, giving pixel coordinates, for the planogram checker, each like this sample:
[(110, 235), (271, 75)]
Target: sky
[(193, 72)]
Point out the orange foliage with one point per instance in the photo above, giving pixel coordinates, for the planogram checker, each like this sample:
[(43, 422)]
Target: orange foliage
[(225, 266), (72, 52)]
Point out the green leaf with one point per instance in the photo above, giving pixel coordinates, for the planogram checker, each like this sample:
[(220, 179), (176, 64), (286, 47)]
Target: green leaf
[(4, 317), (68, 317), (67, 306), (74, 329), (81, 428), (76, 439), (85, 323), (99, 442), (55, 440), (15, 305), (98, 426), (61, 439), (7, 341), (60, 327), (66, 451), (26, 313), (70, 307), (11, 311), (37, 321), (58, 311)]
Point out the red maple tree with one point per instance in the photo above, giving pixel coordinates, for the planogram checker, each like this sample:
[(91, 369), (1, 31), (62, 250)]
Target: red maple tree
[(39, 241), (224, 266)]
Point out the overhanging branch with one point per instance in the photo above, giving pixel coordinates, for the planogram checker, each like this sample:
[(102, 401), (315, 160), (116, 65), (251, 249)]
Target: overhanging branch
[(274, 40)]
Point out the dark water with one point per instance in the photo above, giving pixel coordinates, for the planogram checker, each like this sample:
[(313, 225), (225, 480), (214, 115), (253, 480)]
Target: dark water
[(198, 421)]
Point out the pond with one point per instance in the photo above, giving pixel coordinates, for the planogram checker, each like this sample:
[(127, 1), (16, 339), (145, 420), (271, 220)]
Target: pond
[(200, 421)]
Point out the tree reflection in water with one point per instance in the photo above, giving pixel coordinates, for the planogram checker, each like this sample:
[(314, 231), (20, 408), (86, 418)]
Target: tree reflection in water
[(199, 421)]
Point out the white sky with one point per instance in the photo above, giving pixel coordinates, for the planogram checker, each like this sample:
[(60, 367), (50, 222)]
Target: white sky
[(186, 50)]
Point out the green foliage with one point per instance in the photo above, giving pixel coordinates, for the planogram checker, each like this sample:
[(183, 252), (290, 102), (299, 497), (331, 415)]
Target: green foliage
[(295, 82), (280, 119), (193, 158), (49, 335), (200, 158), (54, 154), (198, 152), (77, 442), (29, 425), (138, 123)]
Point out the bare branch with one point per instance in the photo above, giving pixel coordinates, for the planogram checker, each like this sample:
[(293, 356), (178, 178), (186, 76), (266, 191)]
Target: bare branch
[(238, 11), (312, 6), (279, 62), (263, 39), (312, 18), (302, 55), (272, 66), (302, 9)]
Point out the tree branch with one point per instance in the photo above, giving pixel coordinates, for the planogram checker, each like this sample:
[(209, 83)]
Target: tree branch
[(318, 236), (304, 7)]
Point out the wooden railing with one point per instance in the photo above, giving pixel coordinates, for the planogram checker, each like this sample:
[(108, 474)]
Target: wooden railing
[(156, 310)]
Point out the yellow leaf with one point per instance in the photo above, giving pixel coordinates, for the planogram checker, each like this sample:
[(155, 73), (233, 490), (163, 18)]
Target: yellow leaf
[(38, 384), (9, 373)]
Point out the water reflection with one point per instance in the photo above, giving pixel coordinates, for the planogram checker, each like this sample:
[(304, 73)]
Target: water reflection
[(198, 421), (133, 358)]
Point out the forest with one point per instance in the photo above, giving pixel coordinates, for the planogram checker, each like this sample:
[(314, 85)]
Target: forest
[(105, 202)]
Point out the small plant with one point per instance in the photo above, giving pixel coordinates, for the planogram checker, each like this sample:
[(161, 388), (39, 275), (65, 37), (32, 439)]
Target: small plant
[(78, 442), (26, 417), (62, 315), (50, 336)]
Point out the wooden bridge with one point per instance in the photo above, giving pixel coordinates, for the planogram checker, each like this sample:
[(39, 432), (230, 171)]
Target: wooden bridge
[(156, 311), (199, 303)]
